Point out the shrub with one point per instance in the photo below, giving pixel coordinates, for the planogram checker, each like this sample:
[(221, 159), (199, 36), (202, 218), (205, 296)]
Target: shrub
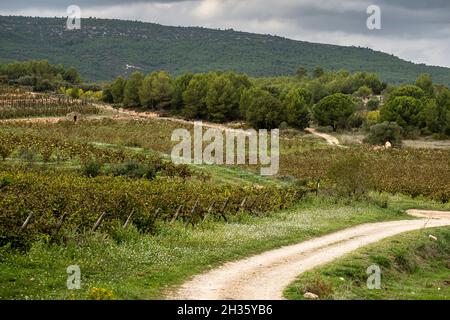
[(173, 170), (43, 85), (373, 104), (91, 168), (372, 117), (27, 154), (364, 92), (283, 126), (380, 133), (134, 169), (350, 177), (4, 152), (325, 129), (356, 120)]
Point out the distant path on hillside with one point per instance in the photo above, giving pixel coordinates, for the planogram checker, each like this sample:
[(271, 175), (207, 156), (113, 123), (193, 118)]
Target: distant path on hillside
[(154, 115), (329, 138), (122, 114), (265, 276)]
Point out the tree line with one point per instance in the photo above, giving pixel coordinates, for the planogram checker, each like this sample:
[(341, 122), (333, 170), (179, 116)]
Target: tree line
[(229, 96), (40, 75), (337, 100)]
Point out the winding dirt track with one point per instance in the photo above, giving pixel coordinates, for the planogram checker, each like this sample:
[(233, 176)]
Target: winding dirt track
[(329, 138), (265, 276)]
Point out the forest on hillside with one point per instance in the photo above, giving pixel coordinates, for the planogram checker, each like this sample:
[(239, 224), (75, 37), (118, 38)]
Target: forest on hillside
[(103, 49)]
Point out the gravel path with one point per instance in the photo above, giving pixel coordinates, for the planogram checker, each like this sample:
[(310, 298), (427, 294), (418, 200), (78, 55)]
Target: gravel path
[(265, 276)]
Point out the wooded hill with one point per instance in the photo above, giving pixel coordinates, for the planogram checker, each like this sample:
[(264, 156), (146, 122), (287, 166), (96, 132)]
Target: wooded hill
[(104, 49)]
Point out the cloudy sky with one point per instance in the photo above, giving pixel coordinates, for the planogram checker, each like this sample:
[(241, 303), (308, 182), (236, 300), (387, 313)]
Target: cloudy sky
[(414, 30)]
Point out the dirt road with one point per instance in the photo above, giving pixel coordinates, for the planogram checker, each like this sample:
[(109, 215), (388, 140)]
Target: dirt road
[(329, 138), (124, 114), (153, 115), (265, 276)]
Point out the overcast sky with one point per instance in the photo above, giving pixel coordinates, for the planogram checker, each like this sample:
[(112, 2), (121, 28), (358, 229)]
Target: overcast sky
[(415, 30)]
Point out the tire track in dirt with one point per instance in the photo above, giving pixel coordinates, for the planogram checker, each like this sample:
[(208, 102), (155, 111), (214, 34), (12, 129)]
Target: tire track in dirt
[(265, 276)]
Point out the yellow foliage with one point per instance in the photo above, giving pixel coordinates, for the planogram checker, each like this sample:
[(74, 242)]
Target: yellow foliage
[(100, 294), (373, 117)]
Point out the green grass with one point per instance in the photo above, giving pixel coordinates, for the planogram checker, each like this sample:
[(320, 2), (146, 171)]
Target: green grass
[(136, 266), (412, 267)]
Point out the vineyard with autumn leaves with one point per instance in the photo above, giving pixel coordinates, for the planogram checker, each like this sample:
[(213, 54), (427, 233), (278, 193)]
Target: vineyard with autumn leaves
[(16, 103), (50, 206), (52, 186), (413, 172), (65, 178)]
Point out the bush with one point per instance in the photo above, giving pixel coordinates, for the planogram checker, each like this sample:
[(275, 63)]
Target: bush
[(27, 154), (380, 133), (325, 129), (4, 152), (373, 104), (134, 169), (91, 168), (350, 177), (44, 85), (356, 120), (172, 170), (372, 118)]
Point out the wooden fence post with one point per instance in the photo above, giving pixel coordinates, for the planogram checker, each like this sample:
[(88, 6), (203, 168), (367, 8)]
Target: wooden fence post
[(99, 221), (156, 216), (242, 205), (128, 219), (27, 221), (186, 223), (180, 207), (222, 210), (253, 203), (211, 207), (59, 224)]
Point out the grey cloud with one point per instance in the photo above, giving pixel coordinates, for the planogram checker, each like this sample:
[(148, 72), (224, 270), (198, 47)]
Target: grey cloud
[(52, 4)]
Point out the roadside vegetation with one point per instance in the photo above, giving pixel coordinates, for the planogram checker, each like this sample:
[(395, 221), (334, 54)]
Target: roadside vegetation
[(414, 266), (133, 265)]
